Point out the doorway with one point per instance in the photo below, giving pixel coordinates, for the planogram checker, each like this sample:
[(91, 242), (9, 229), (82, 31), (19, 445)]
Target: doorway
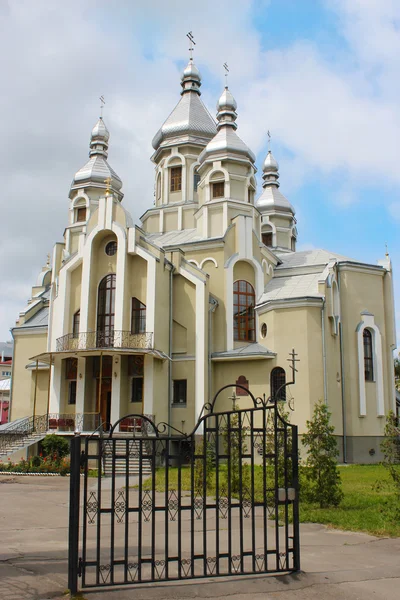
[(105, 401)]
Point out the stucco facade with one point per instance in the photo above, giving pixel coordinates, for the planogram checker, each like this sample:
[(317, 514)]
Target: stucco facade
[(154, 318)]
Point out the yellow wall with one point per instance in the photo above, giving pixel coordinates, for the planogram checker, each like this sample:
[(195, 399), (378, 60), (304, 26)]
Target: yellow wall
[(25, 346)]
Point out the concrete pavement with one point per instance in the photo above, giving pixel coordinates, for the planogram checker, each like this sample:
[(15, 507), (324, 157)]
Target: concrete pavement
[(33, 558)]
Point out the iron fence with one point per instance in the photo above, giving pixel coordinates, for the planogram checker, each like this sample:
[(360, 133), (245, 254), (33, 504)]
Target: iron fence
[(94, 340)]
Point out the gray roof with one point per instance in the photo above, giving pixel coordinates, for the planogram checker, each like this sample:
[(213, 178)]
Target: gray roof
[(226, 141), (7, 348), (245, 352), (189, 117), (306, 258), (273, 199), (174, 238), (292, 286)]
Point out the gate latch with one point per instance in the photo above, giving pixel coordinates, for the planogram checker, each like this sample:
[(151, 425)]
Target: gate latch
[(80, 565)]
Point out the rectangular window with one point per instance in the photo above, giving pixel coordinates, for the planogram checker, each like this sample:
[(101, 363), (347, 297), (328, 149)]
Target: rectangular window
[(176, 179), (267, 239), (196, 180), (180, 391), (218, 189), (75, 325), (137, 389), (71, 368), (81, 214), (72, 392), (138, 324)]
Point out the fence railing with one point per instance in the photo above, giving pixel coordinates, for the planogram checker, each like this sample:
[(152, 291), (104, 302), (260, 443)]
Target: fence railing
[(93, 340)]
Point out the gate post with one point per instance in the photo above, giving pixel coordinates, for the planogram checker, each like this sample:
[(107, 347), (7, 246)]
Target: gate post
[(296, 518), (73, 535)]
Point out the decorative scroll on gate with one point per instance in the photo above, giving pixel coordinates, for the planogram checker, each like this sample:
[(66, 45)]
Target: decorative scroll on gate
[(222, 500)]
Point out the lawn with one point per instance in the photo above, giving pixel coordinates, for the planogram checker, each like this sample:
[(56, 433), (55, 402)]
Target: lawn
[(360, 510)]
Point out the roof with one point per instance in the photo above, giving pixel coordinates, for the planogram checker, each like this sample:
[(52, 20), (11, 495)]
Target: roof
[(7, 348), (174, 238), (273, 199), (5, 362), (292, 286), (251, 351), (226, 141), (305, 258), (5, 385), (189, 117), (39, 319)]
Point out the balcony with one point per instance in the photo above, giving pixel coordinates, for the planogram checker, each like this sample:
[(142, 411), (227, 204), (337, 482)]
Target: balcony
[(98, 340)]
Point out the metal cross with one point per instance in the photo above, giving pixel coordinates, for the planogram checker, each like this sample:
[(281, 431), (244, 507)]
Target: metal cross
[(387, 252), (48, 261), (233, 398), (102, 105), (269, 140), (225, 65), (108, 182), (293, 360), (192, 43)]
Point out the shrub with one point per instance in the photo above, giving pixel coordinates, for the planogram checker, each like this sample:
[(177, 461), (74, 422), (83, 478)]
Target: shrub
[(322, 478), (55, 446)]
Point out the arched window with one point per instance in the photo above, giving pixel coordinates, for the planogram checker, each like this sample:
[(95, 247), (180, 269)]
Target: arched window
[(175, 180), (106, 312), (278, 379), (75, 324), (138, 324), (196, 180), (368, 356), (241, 380), (267, 238), (243, 311), (80, 214)]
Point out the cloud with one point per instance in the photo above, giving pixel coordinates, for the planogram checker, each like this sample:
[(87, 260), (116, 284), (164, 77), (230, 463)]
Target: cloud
[(335, 118)]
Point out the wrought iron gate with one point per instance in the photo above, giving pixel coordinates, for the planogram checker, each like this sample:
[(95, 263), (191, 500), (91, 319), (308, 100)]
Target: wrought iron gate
[(220, 501)]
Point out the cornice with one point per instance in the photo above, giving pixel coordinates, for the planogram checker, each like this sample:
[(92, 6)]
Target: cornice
[(305, 301)]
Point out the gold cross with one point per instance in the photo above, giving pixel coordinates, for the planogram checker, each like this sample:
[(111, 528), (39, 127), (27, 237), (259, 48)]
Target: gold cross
[(108, 182)]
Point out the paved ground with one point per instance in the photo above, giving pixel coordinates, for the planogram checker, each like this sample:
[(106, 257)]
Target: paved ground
[(33, 558)]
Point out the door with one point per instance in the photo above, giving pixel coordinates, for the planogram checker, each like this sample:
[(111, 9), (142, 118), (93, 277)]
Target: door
[(105, 401)]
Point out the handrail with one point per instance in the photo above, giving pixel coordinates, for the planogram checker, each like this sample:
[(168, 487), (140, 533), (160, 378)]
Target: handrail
[(111, 338)]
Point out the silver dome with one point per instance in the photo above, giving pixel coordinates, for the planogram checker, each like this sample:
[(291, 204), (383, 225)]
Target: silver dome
[(100, 130), (270, 164), (191, 71), (226, 101)]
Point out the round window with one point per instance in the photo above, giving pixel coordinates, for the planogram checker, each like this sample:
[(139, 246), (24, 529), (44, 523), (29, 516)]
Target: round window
[(111, 248), (264, 330)]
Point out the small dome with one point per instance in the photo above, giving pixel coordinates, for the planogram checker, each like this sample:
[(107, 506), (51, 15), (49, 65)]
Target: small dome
[(226, 101), (191, 71), (270, 164), (100, 130)]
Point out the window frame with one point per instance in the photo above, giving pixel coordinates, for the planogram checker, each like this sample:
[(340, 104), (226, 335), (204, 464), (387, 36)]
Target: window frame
[(215, 185), (72, 388), (135, 381), (176, 384), (79, 212), (264, 234), (106, 311), (76, 319), (276, 384), (244, 319), (138, 316), (368, 349), (175, 178), (196, 181)]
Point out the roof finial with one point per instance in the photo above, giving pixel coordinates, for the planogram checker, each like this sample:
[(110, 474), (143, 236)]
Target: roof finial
[(387, 251), (225, 65), (269, 140), (192, 43), (48, 261), (101, 106)]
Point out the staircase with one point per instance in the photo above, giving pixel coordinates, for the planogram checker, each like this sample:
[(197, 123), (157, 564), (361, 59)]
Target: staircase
[(20, 434), (120, 457)]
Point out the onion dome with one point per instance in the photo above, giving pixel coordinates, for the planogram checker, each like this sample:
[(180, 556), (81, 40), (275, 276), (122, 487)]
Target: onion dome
[(190, 120), (271, 198), (226, 140), (97, 170)]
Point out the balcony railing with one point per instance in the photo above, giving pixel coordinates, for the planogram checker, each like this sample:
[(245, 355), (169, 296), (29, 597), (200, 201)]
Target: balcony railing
[(97, 340)]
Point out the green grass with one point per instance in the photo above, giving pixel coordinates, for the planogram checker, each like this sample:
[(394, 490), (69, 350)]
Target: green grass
[(362, 509)]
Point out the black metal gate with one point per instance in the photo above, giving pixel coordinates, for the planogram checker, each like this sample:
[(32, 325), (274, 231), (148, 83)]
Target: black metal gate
[(220, 501)]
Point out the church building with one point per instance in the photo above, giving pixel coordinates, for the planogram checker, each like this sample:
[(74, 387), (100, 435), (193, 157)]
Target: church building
[(209, 289)]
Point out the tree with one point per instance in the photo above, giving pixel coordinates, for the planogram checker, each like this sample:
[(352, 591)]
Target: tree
[(234, 440), (321, 472), (55, 446), (391, 450)]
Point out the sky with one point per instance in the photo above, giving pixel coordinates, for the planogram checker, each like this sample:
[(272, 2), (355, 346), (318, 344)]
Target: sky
[(323, 76)]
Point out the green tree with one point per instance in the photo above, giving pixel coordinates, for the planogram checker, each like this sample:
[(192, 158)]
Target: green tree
[(321, 472), (55, 446), (391, 451), (234, 440)]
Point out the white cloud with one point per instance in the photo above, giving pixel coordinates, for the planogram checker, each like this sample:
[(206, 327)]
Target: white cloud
[(330, 119)]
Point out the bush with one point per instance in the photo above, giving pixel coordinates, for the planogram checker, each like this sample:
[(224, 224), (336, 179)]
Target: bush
[(55, 446), (321, 478)]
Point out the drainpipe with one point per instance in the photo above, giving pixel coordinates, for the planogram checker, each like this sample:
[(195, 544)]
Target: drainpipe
[(170, 342), (324, 351), (344, 424), (213, 305)]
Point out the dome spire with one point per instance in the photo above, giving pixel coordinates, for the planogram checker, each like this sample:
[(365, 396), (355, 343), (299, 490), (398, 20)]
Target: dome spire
[(271, 198), (191, 78)]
